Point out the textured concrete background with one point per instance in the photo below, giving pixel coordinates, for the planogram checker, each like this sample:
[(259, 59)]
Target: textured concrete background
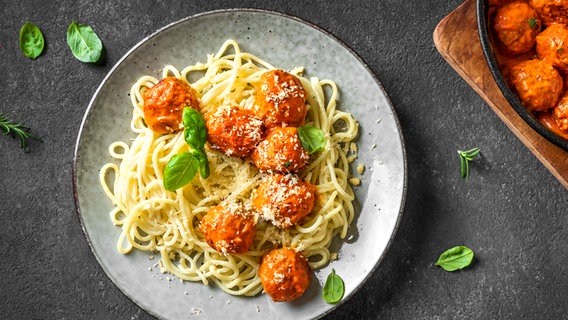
[(512, 212)]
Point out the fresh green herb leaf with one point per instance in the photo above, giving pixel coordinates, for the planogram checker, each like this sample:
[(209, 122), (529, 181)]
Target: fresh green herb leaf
[(559, 50), (194, 132), (333, 289), (455, 258), (180, 170), (287, 164), (182, 167), (312, 138), (533, 23), (465, 158), (31, 40), (201, 157), (84, 43), (18, 130)]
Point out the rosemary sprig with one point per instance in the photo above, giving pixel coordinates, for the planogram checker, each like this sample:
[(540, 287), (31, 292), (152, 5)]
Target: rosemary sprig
[(10, 128), (465, 158)]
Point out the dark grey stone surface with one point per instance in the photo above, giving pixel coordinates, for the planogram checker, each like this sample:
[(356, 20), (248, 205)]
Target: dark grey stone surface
[(512, 212)]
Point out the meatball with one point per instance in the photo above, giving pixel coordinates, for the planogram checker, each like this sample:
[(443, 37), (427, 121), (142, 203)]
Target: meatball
[(537, 83), (552, 45), (284, 200), (229, 228), (516, 26), (551, 11), (233, 131), (506, 62), (164, 103), (280, 100), (285, 274), (280, 151)]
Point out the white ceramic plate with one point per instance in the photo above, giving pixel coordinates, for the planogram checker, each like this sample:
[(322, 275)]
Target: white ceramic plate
[(285, 42)]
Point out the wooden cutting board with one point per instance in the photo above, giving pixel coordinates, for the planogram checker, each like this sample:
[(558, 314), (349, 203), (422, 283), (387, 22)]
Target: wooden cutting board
[(457, 40)]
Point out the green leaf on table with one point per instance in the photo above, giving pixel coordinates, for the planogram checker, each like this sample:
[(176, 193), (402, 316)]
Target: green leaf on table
[(84, 43), (455, 258), (16, 130), (465, 158), (333, 289), (31, 40)]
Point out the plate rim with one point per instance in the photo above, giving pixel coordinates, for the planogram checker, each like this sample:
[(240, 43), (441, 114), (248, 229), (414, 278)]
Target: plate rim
[(361, 61)]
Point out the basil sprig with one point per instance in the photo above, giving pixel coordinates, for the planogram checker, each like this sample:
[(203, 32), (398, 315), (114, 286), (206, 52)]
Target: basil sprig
[(455, 258), (84, 43), (333, 289), (465, 158), (312, 138), (183, 167), (31, 40)]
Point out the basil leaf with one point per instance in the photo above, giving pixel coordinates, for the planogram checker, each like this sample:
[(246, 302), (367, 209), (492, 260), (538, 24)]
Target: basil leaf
[(312, 138), (31, 40), (333, 289), (201, 157), (180, 170), (195, 132), (84, 42), (455, 258)]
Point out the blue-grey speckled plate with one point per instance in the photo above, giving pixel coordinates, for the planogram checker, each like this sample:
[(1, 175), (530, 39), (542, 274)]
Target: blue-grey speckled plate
[(285, 42)]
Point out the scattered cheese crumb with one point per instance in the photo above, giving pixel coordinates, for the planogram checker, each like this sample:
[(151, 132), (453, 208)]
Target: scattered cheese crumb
[(333, 256), (360, 168), (355, 181), (151, 257), (353, 147)]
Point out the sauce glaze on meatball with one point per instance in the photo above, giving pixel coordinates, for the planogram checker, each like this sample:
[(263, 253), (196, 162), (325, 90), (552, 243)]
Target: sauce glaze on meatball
[(233, 131), (516, 26), (284, 200), (281, 99), (537, 84), (280, 151), (285, 274), (551, 11), (164, 103), (552, 45), (229, 228)]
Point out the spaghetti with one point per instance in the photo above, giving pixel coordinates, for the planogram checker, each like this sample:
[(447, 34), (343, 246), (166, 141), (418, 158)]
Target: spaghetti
[(156, 220)]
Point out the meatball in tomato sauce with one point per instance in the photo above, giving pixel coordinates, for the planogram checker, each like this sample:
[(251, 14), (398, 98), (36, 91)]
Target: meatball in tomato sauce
[(551, 11), (233, 131), (229, 228), (516, 26), (285, 274), (164, 103), (537, 83), (280, 151), (281, 99), (284, 200), (552, 45)]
